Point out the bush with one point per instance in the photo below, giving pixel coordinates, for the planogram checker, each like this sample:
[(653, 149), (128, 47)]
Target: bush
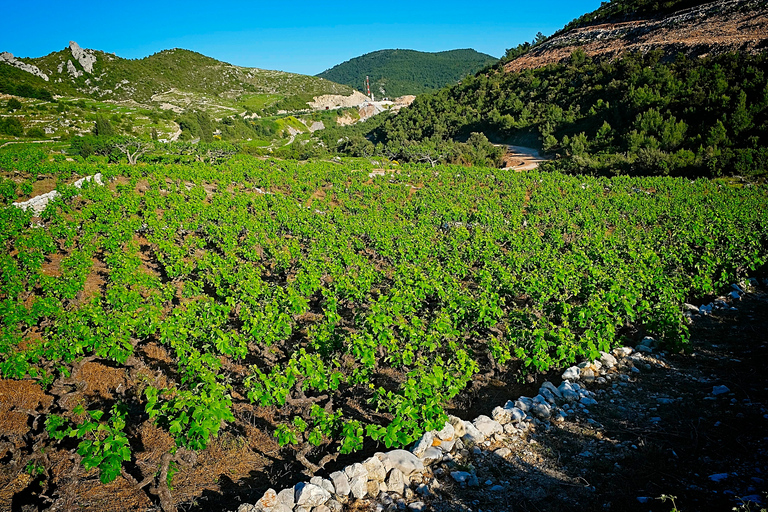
[(11, 126), (36, 133)]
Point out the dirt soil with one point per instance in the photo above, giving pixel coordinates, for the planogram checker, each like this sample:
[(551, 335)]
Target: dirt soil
[(714, 28)]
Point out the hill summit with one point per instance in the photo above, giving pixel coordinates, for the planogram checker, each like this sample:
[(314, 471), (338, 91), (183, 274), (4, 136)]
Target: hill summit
[(395, 73)]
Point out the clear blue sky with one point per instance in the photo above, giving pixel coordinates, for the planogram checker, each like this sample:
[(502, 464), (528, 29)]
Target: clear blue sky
[(300, 36)]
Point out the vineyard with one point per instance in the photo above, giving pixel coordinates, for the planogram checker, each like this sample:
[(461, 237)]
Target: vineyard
[(328, 306)]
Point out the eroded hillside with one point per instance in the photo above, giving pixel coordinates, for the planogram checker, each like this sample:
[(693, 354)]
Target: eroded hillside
[(713, 28)]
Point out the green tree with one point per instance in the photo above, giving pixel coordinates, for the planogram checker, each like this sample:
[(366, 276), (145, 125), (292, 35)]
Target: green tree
[(102, 127), (13, 104)]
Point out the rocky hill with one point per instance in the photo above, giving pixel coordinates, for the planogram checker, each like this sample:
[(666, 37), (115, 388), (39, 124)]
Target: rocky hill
[(394, 73), (708, 29), (174, 79)]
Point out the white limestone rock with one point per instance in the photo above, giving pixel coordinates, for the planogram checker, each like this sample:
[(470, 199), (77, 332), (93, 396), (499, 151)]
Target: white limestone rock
[(405, 461), (502, 415), (551, 387), (487, 426), (375, 469), (86, 58), (8, 58), (340, 483), (608, 360), (396, 481), (472, 435), (571, 373), (422, 444), (310, 495)]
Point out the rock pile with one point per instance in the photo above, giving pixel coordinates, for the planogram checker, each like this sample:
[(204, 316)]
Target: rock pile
[(38, 203)]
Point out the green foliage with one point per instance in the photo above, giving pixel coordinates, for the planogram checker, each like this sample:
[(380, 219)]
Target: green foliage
[(13, 104), (11, 126), (298, 287), (35, 133), (401, 72), (637, 115), (103, 127), (102, 445), (623, 10)]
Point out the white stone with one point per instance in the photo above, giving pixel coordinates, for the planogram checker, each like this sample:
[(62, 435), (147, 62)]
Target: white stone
[(355, 470), (396, 481), (516, 415), (502, 415), (431, 455), (447, 432), (375, 469), (340, 483), (384, 458), (287, 497), (503, 452), (422, 444), (310, 495), (473, 435), (324, 483), (358, 487), (571, 373), (488, 426), (608, 360), (551, 387), (405, 461), (541, 410), (567, 391), (268, 500), (458, 425)]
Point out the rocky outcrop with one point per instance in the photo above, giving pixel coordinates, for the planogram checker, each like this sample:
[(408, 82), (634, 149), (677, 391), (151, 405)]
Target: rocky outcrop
[(8, 58), (73, 71), (717, 27), (86, 58)]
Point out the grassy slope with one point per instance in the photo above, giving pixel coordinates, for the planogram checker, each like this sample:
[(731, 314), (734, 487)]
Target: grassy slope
[(401, 72)]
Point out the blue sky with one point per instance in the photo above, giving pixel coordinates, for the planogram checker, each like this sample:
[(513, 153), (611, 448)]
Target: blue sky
[(300, 36)]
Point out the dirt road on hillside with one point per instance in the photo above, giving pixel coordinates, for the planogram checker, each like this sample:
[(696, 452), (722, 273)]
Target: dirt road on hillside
[(521, 158)]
